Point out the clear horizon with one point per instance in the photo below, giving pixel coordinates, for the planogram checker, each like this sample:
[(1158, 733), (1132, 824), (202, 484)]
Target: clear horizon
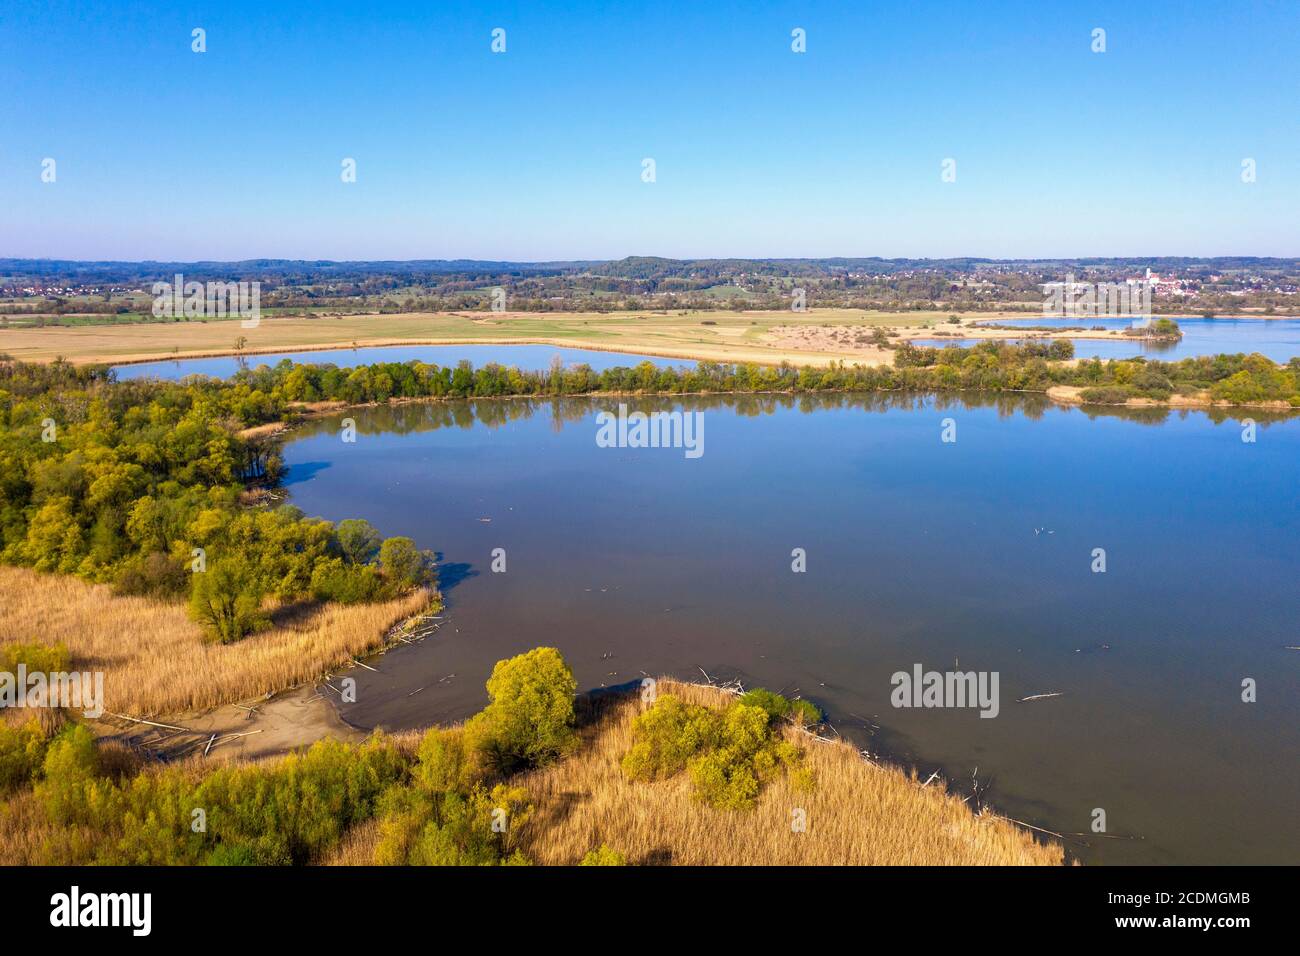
[(537, 154)]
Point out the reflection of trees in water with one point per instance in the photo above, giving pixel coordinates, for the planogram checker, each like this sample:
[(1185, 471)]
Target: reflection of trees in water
[(410, 417)]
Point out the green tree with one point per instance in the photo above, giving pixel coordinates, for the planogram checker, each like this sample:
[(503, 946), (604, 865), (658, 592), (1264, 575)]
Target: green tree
[(530, 718), (227, 600), (358, 539), (404, 565)]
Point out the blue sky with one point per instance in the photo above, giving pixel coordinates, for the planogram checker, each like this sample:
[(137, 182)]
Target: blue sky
[(537, 153)]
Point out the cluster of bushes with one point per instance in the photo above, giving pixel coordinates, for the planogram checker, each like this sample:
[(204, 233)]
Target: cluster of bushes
[(290, 811), (459, 807), (990, 365), (1166, 330), (122, 481), (1259, 380), (138, 484), (1001, 352), (999, 366), (449, 803), (729, 754), (22, 754)]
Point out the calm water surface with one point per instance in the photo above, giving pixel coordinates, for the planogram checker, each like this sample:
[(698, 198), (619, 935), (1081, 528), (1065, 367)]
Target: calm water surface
[(532, 357), (640, 560), (1278, 339)]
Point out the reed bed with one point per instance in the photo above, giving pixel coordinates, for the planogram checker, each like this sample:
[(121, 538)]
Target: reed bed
[(155, 659), (861, 813)]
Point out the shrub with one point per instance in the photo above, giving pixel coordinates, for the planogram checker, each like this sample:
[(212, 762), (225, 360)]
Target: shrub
[(227, 601), (358, 540), (300, 807), (774, 704), (334, 580), (805, 712), (156, 574), (71, 763), (729, 755), (604, 856), (448, 760), (1106, 395), (530, 717), (45, 658), (22, 754), (1060, 349), (474, 830), (667, 736), (730, 777), (1152, 382), (451, 829), (797, 711), (404, 566)]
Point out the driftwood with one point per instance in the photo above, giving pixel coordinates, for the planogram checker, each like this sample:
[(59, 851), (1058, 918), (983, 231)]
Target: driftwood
[(211, 740), (1040, 696), (225, 737), (366, 666), (1039, 829), (152, 723)]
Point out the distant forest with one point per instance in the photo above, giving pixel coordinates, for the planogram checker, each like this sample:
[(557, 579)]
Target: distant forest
[(1213, 285)]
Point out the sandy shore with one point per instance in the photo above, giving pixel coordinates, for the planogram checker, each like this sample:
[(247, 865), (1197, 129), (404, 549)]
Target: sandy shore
[(237, 732), (1073, 395)]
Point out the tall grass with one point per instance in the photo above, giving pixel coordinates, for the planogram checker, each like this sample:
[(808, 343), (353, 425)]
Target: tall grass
[(860, 813), (155, 659)]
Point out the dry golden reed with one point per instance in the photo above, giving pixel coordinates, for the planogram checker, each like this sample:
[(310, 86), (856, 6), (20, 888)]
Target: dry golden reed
[(860, 813), (155, 659)]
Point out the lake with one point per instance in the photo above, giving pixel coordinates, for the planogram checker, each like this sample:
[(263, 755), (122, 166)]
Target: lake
[(1278, 339), (521, 356), (976, 554)]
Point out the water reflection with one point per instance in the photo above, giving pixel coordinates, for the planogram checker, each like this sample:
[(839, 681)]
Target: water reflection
[(634, 561), (403, 418)]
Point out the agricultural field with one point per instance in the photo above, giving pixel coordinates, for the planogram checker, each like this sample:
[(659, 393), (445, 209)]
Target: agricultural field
[(713, 336)]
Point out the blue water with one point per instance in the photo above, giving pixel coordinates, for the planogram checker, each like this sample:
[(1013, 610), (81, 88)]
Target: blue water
[(918, 551), (520, 356), (1278, 339)]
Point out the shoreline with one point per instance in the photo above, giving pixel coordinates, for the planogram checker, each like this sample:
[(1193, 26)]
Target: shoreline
[(728, 345), (1066, 396)]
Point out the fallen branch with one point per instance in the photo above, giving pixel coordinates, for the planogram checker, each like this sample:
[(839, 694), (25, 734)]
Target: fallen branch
[(226, 737), (152, 723)]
